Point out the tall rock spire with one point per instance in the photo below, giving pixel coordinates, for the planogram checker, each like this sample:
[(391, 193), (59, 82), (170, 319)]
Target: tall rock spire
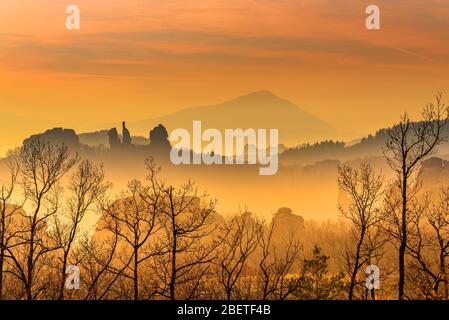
[(126, 135)]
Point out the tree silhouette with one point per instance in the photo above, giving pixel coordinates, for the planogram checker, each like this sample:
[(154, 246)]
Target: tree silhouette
[(407, 145), (365, 192)]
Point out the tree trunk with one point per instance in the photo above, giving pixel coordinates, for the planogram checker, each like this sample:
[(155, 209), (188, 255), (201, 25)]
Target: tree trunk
[(403, 239), (63, 274), (2, 256), (2, 251), (29, 279), (136, 274), (356, 266), (174, 247), (443, 274)]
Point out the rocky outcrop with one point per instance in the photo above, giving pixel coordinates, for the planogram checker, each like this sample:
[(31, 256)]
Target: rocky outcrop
[(159, 143), (287, 223), (434, 163), (57, 136), (159, 136), (126, 135), (114, 140), (433, 175)]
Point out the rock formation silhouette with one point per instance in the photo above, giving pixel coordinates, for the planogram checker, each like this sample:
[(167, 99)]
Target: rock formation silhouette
[(287, 223), (158, 146), (433, 175), (59, 136), (159, 143), (126, 135), (114, 140)]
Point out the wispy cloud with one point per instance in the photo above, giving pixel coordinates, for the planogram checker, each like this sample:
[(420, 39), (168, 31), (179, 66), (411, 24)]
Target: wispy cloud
[(135, 53)]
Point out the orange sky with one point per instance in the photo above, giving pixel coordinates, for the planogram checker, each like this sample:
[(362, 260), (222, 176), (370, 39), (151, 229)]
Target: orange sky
[(138, 59)]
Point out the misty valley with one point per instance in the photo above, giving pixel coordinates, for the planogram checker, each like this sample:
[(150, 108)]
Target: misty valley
[(109, 215)]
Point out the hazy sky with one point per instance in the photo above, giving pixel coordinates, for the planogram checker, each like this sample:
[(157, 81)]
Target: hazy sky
[(136, 59)]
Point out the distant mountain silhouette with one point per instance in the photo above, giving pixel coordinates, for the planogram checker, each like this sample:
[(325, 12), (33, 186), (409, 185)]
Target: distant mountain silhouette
[(256, 110), (370, 146)]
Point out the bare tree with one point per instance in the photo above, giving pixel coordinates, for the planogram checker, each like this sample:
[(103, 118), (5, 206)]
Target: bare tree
[(429, 246), (276, 264), (438, 219), (365, 191), (42, 166), (94, 257), (186, 245), (241, 237), (407, 145), (86, 186), (187, 225), (134, 218), (8, 210)]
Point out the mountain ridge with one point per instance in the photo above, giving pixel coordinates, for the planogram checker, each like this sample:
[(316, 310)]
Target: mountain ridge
[(260, 109)]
